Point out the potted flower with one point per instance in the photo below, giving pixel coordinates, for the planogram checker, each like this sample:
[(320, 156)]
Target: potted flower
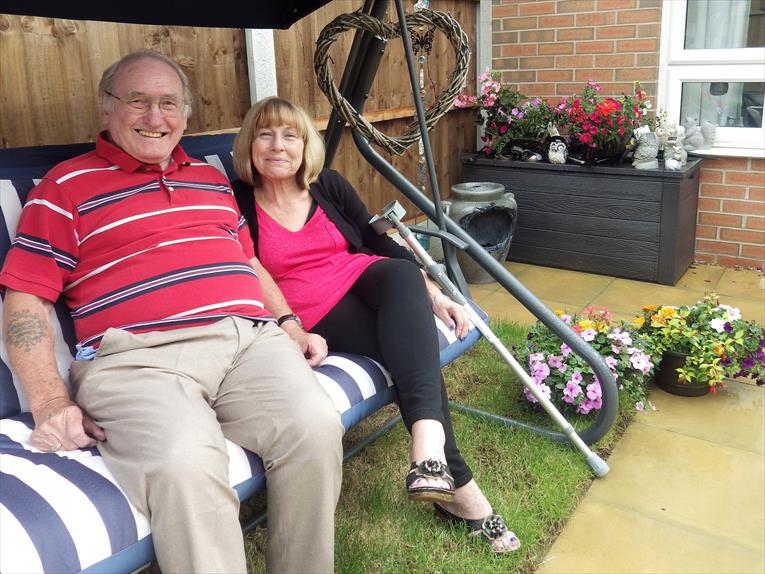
[(508, 117), (601, 127), (568, 381), (701, 345)]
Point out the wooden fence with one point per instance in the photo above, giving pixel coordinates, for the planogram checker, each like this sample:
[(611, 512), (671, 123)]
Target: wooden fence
[(50, 68)]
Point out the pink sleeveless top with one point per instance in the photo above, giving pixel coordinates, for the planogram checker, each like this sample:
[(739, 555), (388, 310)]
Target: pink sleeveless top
[(312, 266)]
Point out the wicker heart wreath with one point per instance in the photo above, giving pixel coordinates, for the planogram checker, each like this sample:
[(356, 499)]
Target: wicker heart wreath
[(387, 31)]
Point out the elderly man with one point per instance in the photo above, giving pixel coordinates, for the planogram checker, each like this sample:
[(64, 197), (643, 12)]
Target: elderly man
[(176, 347)]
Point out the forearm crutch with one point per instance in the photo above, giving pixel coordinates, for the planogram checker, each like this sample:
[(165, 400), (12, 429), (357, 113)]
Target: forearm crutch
[(391, 217)]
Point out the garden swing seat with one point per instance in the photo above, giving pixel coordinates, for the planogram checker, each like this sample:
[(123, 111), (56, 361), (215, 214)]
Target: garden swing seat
[(62, 512)]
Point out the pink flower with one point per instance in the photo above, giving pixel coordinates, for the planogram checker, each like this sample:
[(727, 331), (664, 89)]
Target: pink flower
[(612, 363), (565, 350), (589, 334), (593, 391), (543, 389), (571, 391), (464, 101), (641, 362), (540, 372)]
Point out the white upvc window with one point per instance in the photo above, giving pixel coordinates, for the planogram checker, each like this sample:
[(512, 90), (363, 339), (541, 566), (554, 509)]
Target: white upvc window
[(712, 68)]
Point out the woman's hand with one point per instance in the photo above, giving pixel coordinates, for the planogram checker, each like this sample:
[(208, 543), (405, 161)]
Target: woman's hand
[(451, 313)]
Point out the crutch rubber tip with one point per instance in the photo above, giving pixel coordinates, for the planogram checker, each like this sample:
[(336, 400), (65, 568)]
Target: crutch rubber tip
[(598, 465)]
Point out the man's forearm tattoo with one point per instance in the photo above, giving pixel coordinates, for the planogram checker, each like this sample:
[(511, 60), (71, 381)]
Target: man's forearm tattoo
[(25, 330)]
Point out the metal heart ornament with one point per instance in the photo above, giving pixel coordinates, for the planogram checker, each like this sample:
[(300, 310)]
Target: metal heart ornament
[(388, 31)]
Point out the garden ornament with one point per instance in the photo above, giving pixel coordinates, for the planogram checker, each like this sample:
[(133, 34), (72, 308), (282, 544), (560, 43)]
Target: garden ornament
[(556, 150), (675, 156), (661, 136), (699, 137), (647, 148)]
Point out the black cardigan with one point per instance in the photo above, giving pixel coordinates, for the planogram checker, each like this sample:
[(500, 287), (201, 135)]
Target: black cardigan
[(344, 208)]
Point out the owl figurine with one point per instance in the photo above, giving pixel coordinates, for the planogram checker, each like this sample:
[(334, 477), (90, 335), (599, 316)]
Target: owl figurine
[(645, 153), (556, 150)]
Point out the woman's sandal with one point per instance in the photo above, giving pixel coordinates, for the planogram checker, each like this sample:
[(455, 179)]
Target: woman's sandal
[(491, 528), (430, 468)]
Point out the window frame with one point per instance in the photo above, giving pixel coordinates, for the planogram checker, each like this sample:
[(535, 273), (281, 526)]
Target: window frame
[(678, 65)]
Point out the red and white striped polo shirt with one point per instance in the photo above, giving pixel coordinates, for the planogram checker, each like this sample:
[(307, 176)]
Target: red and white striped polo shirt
[(135, 247)]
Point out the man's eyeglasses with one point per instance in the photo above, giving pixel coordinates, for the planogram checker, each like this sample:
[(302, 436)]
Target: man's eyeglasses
[(168, 107)]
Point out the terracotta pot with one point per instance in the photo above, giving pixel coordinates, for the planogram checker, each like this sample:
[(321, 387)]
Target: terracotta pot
[(666, 377)]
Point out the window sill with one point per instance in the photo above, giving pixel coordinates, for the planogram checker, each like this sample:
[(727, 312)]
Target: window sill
[(729, 152)]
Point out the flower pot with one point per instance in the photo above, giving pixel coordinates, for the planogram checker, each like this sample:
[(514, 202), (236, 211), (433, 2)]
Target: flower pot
[(666, 377)]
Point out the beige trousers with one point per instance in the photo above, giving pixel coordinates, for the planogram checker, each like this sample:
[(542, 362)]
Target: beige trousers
[(166, 401)]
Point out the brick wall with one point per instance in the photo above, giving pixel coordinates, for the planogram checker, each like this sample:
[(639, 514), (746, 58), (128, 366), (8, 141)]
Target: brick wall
[(730, 228), (550, 48)]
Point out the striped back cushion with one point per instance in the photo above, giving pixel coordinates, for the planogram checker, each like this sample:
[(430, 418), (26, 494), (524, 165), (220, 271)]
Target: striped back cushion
[(20, 170)]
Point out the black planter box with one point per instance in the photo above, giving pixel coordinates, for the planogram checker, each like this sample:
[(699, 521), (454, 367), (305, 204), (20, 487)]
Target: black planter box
[(610, 220)]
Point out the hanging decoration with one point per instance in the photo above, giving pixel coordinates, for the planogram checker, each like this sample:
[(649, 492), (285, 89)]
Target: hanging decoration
[(422, 44)]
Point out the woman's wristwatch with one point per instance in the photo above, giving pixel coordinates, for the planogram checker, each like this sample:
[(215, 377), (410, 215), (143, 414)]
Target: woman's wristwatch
[(289, 317)]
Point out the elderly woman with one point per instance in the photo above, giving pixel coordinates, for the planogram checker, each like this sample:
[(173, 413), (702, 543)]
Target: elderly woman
[(362, 292)]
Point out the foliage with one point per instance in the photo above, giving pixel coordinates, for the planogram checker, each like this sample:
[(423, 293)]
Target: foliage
[(717, 342), (568, 381), (506, 114), (602, 123)]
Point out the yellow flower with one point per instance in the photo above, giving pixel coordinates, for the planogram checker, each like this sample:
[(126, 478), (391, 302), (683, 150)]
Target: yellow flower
[(639, 321), (558, 312), (587, 324), (649, 308), (668, 312)]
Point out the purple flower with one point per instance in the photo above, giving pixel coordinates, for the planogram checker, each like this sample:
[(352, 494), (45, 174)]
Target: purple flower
[(747, 363), (728, 328)]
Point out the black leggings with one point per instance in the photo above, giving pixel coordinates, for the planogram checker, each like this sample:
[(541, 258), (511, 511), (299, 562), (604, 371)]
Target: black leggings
[(386, 315)]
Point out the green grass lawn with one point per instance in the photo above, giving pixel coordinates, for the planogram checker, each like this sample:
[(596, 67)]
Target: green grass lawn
[(532, 481)]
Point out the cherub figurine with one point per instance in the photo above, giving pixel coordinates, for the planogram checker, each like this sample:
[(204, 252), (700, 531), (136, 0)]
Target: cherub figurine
[(675, 155)]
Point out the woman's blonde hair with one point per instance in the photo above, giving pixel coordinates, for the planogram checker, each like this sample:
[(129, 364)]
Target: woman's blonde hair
[(272, 112)]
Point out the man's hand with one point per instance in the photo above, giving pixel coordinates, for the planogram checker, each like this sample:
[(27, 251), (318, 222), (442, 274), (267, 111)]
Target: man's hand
[(313, 346), (61, 425)]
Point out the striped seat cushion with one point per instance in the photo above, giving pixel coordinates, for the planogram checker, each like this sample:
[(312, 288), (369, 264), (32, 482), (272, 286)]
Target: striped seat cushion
[(63, 512)]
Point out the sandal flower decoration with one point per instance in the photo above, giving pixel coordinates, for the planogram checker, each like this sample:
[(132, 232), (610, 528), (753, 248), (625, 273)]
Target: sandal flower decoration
[(493, 527), (433, 467)]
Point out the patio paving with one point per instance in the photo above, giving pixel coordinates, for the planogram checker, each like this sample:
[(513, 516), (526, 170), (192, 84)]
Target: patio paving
[(686, 489)]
